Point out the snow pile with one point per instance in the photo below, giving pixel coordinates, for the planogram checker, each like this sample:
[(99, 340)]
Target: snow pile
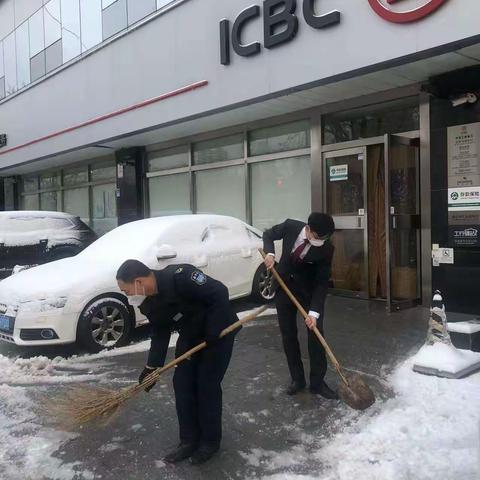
[(469, 327), (430, 430), (445, 359), (26, 446)]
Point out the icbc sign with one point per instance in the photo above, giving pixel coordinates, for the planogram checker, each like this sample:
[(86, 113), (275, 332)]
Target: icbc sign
[(382, 8), (281, 21)]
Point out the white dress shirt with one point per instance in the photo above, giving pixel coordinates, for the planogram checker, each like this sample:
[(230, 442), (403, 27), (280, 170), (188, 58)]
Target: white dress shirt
[(300, 239)]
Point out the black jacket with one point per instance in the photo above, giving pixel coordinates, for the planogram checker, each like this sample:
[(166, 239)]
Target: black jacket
[(189, 302), (313, 273)]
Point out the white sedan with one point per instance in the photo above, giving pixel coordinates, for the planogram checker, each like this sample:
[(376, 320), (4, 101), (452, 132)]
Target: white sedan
[(77, 298)]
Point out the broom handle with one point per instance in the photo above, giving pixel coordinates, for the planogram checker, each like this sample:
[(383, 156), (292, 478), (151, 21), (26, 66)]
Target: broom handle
[(335, 362), (202, 345)]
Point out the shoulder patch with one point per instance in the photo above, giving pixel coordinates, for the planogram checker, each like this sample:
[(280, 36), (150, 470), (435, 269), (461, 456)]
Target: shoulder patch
[(199, 277), (179, 270)]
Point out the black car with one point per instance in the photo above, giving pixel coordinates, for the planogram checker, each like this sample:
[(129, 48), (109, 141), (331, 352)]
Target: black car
[(33, 238)]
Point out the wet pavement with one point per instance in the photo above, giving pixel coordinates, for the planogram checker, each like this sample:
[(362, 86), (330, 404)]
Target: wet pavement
[(260, 421)]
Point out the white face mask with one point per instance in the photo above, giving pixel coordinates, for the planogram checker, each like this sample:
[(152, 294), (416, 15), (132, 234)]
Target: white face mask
[(317, 242), (136, 300)]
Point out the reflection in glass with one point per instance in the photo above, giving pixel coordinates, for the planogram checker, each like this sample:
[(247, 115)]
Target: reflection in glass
[(345, 197), (91, 23), (284, 184), (280, 138), (10, 64), (23, 55), (53, 56), (162, 3), (70, 29), (348, 266), (103, 171), (48, 201), (138, 9), (37, 35), (169, 195), (218, 150), (48, 180), (75, 176), (53, 30), (37, 66), (2, 70), (104, 208), (30, 184), (76, 202), (114, 18), (30, 202), (107, 3), (225, 183), (167, 159)]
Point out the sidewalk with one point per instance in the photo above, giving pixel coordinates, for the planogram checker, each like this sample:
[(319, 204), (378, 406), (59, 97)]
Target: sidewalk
[(260, 422)]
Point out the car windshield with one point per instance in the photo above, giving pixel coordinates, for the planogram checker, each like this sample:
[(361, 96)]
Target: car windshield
[(28, 224), (133, 240)]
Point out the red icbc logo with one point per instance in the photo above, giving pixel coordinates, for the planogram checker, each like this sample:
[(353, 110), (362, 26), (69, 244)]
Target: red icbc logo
[(398, 16)]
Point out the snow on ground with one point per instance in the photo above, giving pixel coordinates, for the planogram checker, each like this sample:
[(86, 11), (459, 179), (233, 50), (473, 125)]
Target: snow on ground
[(430, 430)]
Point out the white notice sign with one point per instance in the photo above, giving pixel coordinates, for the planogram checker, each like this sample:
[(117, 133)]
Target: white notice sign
[(338, 172), (463, 155)]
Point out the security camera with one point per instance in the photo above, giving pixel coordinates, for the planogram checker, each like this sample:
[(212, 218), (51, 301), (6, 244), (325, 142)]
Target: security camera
[(463, 99)]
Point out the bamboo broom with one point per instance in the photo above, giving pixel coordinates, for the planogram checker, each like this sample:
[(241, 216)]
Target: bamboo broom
[(84, 404)]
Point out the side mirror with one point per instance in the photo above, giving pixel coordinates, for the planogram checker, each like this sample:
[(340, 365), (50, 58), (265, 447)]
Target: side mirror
[(166, 252)]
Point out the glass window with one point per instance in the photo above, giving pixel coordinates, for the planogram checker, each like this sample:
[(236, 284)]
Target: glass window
[(114, 18), (103, 171), (30, 184), (70, 29), (53, 56), (91, 23), (218, 149), (37, 35), (162, 3), (2, 70), (104, 208), (23, 55), (107, 3), (169, 195), (280, 189), (167, 159), (138, 9), (53, 24), (280, 138), (75, 176), (49, 201), (228, 184), (373, 121), (37, 66), (76, 202), (2, 87), (30, 202), (10, 64), (48, 180)]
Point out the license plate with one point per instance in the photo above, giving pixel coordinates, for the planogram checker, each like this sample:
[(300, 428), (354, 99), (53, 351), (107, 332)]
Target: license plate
[(6, 323)]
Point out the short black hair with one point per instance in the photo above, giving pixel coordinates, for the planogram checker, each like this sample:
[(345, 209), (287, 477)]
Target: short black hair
[(321, 223), (130, 270)]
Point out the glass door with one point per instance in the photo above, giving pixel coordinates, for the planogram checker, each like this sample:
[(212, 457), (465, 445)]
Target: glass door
[(402, 207), (345, 199)]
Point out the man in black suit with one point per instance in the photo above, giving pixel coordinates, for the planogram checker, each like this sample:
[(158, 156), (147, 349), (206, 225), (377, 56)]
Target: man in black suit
[(305, 267)]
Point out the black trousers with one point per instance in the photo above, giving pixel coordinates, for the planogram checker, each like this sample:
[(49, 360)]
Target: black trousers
[(287, 320), (198, 391)]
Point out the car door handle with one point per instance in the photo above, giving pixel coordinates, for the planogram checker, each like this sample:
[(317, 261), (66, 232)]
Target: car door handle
[(166, 257)]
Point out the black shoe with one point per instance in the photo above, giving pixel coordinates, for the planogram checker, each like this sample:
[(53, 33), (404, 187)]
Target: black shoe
[(204, 453), (182, 452), (295, 387), (325, 391)]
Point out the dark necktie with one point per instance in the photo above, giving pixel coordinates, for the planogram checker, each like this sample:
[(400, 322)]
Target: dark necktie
[(296, 255)]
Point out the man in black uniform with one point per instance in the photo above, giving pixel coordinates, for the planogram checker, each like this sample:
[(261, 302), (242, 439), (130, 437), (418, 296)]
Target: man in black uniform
[(305, 267), (184, 299)]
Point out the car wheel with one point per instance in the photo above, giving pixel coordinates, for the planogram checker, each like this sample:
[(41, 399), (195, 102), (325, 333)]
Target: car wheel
[(106, 323), (58, 253), (264, 286)]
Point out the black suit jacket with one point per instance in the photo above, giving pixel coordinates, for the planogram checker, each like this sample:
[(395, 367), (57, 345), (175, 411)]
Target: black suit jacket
[(312, 274)]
